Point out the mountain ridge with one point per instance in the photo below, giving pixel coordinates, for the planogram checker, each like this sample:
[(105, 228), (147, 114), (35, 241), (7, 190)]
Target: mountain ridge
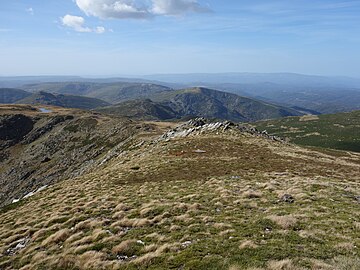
[(202, 102)]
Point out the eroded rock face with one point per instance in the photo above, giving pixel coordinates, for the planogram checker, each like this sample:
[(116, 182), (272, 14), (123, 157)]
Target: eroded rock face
[(39, 149), (15, 127)]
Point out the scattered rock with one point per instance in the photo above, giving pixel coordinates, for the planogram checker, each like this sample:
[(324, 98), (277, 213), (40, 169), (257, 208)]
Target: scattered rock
[(357, 198), (186, 244), (125, 258), (17, 246), (287, 198), (46, 159)]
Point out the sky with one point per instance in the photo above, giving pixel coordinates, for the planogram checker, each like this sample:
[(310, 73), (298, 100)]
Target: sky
[(138, 37)]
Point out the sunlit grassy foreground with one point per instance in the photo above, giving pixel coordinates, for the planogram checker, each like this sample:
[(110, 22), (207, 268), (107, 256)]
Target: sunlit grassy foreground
[(166, 205)]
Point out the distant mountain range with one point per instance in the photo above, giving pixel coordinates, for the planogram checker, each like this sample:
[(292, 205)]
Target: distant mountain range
[(256, 78), (151, 102), (315, 94)]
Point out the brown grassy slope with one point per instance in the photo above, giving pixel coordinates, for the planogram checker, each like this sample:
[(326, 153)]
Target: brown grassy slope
[(163, 206)]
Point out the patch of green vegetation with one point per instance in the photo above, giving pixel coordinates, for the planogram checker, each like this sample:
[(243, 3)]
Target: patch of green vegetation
[(336, 131)]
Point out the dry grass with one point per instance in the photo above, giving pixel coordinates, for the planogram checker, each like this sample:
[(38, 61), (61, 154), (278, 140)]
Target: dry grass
[(285, 222), (281, 265), (57, 237), (248, 244), (193, 212), (252, 194), (124, 246)]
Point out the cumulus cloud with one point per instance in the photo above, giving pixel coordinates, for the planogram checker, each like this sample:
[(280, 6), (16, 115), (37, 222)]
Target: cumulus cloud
[(138, 9), (77, 24)]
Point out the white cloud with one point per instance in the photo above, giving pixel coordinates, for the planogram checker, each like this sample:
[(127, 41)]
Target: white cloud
[(77, 24), (30, 11), (138, 9), (177, 7)]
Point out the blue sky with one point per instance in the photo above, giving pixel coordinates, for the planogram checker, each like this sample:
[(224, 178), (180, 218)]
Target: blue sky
[(123, 37)]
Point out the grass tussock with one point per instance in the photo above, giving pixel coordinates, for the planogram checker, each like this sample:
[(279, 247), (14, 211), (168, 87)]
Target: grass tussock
[(57, 237), (285, 222)]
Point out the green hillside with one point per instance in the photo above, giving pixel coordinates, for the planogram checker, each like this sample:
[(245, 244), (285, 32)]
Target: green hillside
[(336, 131), (140, 109), (210, 103), (198, 102), (11, 95), (66, 101)]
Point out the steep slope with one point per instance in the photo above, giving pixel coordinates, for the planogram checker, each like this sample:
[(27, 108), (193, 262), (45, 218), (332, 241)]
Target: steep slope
[(109, 92), (66, 101), (216, 104), (140, 109), (11, 95), (337, 131), (201, 196), (39, 149)]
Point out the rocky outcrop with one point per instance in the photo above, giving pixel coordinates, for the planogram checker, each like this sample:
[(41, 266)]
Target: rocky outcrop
[(202, 125)]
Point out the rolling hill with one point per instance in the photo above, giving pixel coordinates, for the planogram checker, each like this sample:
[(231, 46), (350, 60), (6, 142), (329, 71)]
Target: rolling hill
[(336, 131), (109, 92), (66, 101), (11, 95), (200, 102)]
